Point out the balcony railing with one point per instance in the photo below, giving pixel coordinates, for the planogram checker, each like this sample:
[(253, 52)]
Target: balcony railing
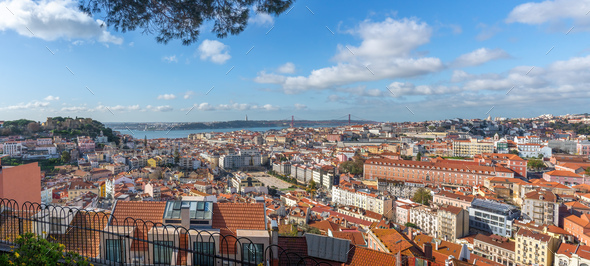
[(106, 240)]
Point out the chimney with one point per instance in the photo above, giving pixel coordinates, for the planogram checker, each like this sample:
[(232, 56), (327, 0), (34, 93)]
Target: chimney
[(185, 217), (436, 243), (427, 250)]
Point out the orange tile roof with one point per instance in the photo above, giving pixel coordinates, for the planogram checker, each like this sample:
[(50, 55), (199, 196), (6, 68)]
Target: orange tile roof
[(389, 237), (445, 248)]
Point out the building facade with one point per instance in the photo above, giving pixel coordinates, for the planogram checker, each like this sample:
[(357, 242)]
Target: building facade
[(492, 217)]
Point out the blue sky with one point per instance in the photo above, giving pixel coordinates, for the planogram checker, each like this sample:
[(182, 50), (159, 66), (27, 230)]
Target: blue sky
[(378, 60)]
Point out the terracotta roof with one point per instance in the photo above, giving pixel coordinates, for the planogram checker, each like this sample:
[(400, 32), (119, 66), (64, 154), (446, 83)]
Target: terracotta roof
[(445, 248), (152, 211), (508, 245), (541, 194), (452, 209), (143, 215), (365, 256), (390, 237), (229, 217), (538, 236), (324, 225), (82, 237), (356, 238), (576, 205), (562, 173)]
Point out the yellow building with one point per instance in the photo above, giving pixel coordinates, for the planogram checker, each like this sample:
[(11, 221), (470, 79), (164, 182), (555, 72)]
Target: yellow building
[(154, 162), (469, 148), (535, 248)]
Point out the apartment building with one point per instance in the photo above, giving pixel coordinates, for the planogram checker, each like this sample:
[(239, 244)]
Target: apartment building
[(469, 148), (492, 217), (495, 248), (510, 161), (453, 223), (541, 206), (579, 227), (572, 255), (425, 218), (451, 199), (12, 148), (534, 248), (363, 198), (435, 171)]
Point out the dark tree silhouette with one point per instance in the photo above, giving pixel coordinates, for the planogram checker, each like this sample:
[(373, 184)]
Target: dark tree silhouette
[(180, 19)]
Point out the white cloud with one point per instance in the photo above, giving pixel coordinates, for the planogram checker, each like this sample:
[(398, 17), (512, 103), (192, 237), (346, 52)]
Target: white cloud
[(170, 59), (24, 106), (232, 106), (52, 20), (131, 44), (51, 98), (166, 97), (214, 51), (479, 56), (262, 19), (75, 109), (389, 38), (287, 68), (551, 11), (402, 89), (300, 106), (188, 94), (162, 108), (384, 53)]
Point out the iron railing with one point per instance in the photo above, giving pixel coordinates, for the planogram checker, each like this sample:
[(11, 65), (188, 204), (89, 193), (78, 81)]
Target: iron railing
[(107, 240)]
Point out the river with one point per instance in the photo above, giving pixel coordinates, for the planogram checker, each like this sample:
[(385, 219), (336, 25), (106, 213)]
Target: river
[(174, 134)]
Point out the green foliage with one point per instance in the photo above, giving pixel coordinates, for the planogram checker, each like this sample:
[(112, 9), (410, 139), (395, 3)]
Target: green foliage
[(408, 224), (179, 19), (535, 164), (419, 156), (293, 232), (282, 177), (514, 152), (29, 249), (66, 157), (354, 167), (313, 185), (422, 196), (578, 128)]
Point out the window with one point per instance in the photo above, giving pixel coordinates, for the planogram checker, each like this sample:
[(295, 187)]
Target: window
[(252, 253), (162, 253), (114, 250), (208, 256)]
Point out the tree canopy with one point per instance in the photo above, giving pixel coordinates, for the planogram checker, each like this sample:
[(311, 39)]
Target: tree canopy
[(181, 19), (422, 196)]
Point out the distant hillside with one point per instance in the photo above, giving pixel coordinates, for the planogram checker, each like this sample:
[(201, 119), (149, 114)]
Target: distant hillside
[(231, 124), (65, 127)]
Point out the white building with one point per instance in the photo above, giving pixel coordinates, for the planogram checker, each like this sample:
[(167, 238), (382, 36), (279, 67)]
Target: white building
[(363, 198), (13, 148), (426, 219), (533, 150)]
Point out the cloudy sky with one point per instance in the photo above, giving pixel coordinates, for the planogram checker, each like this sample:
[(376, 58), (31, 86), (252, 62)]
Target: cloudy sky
[(378, 60)]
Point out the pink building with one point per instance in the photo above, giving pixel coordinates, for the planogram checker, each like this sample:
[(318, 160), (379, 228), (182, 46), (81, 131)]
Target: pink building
[(21, 183), (342, 157), (567, 178)]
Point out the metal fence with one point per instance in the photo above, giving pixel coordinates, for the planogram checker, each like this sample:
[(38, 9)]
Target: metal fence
[(107, 240)]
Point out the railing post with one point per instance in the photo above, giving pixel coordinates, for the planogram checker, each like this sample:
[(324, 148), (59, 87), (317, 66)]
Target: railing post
[(20, 226)]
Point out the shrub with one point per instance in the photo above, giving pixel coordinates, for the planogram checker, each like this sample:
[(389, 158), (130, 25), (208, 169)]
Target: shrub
[(31, 249)]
